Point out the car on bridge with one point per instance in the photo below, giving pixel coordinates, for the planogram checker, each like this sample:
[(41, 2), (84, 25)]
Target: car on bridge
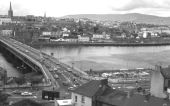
[(26, 94)]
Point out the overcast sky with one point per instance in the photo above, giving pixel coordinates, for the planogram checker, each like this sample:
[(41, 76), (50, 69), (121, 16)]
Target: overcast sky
[(59, 8)]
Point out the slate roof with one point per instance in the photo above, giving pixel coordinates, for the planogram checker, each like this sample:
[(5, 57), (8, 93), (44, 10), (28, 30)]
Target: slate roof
[(113, 96), (166, 72), (118, 98), (89, 89), (140, 100)]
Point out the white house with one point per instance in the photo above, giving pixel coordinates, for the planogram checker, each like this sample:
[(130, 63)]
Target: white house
[(46, 33), (160, 82), (65, 34), (101, 36), (5, 20), (83, 38), (86, 94), (6, 32), (98, 36)]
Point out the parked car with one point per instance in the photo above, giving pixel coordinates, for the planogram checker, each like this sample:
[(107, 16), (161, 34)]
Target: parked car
[(26, 94), (56, 76), (71, 88), (16, 92)]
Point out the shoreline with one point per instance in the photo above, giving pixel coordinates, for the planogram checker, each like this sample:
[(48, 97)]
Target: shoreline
[(52, 44)]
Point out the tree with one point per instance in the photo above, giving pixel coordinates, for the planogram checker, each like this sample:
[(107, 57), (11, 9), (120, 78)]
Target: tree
[(21, 80), (35, 80), (27, 102), (3, 98)]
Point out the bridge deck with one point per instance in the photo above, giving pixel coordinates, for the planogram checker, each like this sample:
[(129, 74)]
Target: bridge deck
[(43, 61)]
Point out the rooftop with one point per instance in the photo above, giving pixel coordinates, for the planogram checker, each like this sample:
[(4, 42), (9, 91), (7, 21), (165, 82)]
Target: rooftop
[(141, 100), (119, 98), (66, 102), (91, 88), (166, 72)]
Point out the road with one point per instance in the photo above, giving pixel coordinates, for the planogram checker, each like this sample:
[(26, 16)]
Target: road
[(50, 66)]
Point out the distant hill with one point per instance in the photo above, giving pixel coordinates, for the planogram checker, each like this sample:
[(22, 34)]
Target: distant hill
[(135, 17)]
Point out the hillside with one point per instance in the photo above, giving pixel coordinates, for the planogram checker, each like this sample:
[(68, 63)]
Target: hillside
[(135, 17)]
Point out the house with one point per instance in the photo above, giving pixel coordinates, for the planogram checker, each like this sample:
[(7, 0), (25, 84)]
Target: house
[(5, 20), (160, 82), (98, 36), (99, 93), (83, 38), (86, 94), (131, 98), (71, 38), (56, 34), (46, 33), (6, 32)]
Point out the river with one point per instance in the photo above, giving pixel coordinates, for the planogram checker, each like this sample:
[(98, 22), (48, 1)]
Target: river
[(107, 57), (103, 58)]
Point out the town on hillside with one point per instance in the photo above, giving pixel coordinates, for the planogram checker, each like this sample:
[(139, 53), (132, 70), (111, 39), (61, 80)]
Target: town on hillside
[(44, 80)]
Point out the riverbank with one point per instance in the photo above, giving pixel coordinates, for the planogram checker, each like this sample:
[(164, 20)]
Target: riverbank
[(51, 44)]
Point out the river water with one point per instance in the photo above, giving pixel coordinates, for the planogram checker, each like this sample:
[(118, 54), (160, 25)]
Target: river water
[(103, 58), (107, 57)]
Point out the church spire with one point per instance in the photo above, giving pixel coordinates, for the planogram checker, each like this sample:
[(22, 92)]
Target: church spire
[(10, 11), (10, 8)]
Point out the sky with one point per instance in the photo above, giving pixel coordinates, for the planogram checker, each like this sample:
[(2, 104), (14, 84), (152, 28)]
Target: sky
[(59, 8)]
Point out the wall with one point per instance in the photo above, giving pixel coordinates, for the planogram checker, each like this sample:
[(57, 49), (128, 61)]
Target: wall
[(157, 84), (88, 101)]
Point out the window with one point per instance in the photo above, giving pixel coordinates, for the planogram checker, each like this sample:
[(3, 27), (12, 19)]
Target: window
[(75, 98), (82, 99)]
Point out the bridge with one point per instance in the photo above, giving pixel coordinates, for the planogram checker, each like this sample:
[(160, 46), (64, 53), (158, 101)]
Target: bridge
[(38, 61)]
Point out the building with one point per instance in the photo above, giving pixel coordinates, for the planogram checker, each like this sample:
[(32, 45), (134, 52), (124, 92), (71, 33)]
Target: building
[(99, 93), (101, 36), (46, 34), (6, 32), (160, 82), (71, 39), (5, 20), (26, 36), (86, 94), (83, 38), (10, 11), (98, 36)]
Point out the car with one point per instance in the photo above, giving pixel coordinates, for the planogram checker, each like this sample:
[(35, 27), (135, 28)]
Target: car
[(55, 69), (69, 69), (16, 92), (56, 76), (71, 88), (26, 94)]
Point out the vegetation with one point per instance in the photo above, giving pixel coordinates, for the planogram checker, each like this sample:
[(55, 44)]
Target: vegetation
[(3, 99)]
